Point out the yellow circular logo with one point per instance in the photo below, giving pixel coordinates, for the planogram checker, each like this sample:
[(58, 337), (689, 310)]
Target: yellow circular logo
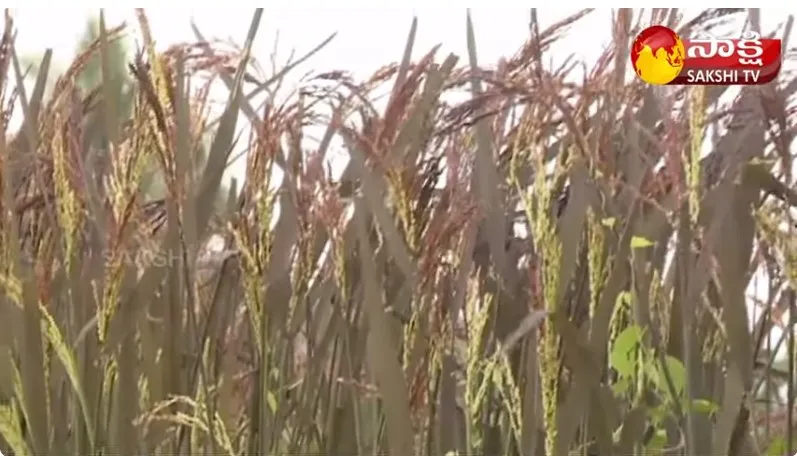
[(658, 55)]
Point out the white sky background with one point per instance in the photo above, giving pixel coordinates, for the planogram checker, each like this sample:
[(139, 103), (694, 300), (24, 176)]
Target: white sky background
[(368, 37)]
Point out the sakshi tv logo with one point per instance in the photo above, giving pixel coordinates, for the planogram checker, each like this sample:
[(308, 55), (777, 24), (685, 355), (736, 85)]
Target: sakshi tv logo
[(661, 57)]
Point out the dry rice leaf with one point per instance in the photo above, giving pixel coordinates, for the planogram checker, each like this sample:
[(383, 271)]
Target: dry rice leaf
[(382, 349)]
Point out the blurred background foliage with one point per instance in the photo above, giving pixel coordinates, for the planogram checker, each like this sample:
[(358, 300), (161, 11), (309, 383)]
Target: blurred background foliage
[(121, 84)]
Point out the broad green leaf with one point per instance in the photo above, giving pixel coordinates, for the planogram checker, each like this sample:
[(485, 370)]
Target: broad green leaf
[(620, 387), (704, 406), (623, 356), (677, 375)]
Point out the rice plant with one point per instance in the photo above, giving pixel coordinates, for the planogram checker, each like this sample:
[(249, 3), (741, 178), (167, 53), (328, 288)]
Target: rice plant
[(558, 265)]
